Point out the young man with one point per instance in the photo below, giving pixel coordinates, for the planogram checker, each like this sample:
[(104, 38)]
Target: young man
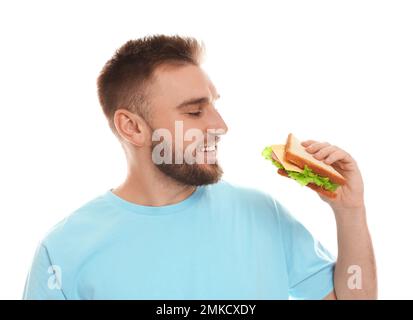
[(172, 229)]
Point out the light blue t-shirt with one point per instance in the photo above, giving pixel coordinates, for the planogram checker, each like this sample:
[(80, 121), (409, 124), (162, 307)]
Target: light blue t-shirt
[(222, 242)]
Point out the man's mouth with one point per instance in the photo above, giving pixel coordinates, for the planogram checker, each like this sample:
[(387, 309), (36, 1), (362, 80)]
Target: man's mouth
[(207, 148)]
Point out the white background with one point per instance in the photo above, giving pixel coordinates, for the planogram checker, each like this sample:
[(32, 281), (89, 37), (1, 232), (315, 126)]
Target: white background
[(337, 71)]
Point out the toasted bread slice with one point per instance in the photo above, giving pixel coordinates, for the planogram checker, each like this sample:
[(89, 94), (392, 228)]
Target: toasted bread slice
[(296, 154), (324, 192)]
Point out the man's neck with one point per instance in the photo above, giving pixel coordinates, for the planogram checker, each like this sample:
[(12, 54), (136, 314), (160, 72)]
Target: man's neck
[(152, 188)]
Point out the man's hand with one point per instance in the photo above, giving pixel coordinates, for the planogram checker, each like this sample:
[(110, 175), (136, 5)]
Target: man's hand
[(350, 195), (355, 249)]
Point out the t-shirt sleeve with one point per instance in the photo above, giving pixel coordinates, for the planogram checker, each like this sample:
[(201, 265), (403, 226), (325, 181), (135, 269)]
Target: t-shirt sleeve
[(310, 266), (44, 279)]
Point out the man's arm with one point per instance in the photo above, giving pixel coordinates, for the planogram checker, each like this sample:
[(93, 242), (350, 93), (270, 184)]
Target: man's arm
[(44, 281), (355, 270)]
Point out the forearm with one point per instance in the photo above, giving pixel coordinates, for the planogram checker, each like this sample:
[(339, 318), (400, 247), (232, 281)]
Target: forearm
[(355, 271)]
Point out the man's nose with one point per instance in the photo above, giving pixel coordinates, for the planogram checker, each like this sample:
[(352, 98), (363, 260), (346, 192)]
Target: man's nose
[(217, 123)]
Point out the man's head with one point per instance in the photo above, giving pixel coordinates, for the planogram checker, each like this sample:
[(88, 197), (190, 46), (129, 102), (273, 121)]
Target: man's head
[(155, 85)]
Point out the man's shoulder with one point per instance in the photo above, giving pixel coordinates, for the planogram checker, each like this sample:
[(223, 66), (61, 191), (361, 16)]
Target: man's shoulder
[(242, 194), (80, 224)]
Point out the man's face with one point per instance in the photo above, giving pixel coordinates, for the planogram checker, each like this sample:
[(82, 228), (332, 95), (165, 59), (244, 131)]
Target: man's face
[(182, 102)]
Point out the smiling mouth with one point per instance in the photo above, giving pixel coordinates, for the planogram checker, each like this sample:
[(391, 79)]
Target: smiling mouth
[(208, 148)]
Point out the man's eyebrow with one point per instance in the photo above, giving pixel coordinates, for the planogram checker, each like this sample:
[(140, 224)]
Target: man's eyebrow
[(195, 101)]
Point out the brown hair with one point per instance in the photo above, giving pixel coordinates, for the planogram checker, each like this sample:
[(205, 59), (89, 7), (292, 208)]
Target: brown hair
[(123, 80)]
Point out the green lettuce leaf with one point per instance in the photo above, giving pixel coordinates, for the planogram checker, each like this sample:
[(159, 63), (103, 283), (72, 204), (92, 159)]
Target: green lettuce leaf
[(305, 177), (267, 154)]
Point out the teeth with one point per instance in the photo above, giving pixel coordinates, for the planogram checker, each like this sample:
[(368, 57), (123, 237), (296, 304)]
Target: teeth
[(208, 148)]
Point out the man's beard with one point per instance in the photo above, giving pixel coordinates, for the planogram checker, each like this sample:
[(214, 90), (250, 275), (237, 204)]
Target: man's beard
[(190, 174)]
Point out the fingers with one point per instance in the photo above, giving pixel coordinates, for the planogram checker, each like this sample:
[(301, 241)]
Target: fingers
[(326, 152), (338, 155), (317, 146), (307, 143)]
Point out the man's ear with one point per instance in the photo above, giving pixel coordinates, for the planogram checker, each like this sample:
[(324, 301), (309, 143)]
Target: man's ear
[(131, 127)]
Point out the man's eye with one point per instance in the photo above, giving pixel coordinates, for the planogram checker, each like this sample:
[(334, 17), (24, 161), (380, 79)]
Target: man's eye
[(195, 114)]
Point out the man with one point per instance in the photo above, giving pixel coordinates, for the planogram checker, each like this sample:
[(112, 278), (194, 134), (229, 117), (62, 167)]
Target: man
[(172, 229)]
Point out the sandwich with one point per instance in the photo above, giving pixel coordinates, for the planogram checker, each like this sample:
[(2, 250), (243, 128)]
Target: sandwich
[(293, 161)]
